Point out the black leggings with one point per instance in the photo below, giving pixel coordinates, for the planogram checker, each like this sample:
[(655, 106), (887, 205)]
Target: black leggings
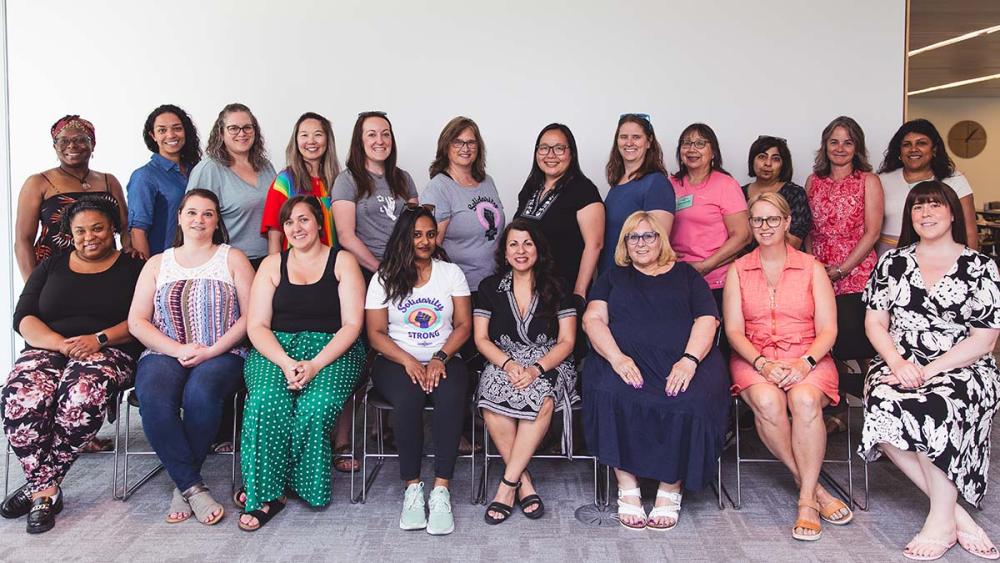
[(408, 401)]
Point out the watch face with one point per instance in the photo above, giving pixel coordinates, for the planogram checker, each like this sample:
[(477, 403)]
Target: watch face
[(967, 139)]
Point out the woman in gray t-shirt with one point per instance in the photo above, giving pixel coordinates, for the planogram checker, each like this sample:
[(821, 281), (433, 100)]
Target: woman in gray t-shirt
[(239, 174), (465, 199)]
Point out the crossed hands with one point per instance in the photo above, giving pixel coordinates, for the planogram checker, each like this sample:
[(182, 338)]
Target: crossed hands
[(426, 376), (521, 376), (298, 374), (191, 354), (906, 374), (80, 347), (785, 373)]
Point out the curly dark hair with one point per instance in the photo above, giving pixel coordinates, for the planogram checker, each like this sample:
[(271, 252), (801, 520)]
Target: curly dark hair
[(398, 271), (547, 284), (191, 151), (95, 202), (941, 164), (220, 235), (216, 139)]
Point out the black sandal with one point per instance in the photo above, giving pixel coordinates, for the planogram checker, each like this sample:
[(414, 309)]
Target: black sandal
[(236, 498), (504, 509), (273, 509), (528, 502)]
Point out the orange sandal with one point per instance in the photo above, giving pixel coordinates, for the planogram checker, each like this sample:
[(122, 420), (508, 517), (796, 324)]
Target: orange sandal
[(833, 507), (807, 525)]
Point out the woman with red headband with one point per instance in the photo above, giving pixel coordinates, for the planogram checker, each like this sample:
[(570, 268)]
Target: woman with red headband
[(44, 196)]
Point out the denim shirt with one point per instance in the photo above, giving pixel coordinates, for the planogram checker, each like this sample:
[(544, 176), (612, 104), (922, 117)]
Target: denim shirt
[(154, 193)]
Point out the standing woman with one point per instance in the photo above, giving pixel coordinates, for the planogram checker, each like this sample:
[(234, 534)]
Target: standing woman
[(189, 311), (45, 195), (156, 188), (711, 227), (638, 181), (933, 390), (306, 314), (238, 172), (466, 203), (418, 314), (770, 165), (311, 155), (916, 154), (846, 203), (369, 197), (567, 207)]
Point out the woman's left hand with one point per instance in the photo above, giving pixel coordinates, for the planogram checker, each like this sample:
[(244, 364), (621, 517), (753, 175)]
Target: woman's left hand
[(797, 370), (81, 347), (435, 373), (699, 267), (835, 272), (129, 250), (527, 376), (680, 377), (305, 371)]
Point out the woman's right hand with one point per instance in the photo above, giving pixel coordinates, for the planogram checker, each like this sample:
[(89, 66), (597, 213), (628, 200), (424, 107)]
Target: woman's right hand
[(185, 353), (416, 371), (774, 372), (627, 370), (908, 374)]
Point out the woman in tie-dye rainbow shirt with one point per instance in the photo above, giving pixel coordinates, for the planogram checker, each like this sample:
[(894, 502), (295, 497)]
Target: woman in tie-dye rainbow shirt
[(312, 167)]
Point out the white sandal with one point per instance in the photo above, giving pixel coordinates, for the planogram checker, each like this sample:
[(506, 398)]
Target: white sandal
[(626, 509), (671, 510)]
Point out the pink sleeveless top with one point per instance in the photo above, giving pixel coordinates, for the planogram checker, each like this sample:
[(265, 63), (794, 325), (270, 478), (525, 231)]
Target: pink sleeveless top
[(838, 210)]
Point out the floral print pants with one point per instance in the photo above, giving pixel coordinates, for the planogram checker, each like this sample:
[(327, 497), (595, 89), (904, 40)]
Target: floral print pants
[(54, 405)]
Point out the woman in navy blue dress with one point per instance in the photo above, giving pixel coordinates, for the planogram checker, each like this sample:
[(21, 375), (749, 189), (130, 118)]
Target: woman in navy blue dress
[(655, 389)]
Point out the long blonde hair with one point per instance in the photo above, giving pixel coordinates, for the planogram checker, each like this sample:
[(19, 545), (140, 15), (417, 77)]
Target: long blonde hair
[(667, 254)]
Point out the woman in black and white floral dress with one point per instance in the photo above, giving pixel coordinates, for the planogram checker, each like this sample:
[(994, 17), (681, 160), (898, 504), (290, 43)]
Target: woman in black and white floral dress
[(931, 394), (525, 326)]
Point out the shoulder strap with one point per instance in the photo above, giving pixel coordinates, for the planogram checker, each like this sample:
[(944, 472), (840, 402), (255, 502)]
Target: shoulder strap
[(42, 174), (284, 266)]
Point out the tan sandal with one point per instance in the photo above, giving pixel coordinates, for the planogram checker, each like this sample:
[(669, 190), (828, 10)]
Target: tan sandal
[(203, 505), (178, 506), (807, 525), (836, 505)]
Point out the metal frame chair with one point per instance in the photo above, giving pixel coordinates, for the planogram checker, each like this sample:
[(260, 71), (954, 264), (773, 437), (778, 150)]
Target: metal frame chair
[(846, 493), (131, 400)]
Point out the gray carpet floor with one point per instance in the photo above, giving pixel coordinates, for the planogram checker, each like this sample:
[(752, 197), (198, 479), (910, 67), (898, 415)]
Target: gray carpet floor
[(94, 527)]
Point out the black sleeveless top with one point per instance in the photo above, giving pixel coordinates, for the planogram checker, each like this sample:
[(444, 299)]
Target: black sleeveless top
[(309, 307)]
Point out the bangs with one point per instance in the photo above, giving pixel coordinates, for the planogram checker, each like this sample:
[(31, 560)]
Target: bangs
[(927, 192)]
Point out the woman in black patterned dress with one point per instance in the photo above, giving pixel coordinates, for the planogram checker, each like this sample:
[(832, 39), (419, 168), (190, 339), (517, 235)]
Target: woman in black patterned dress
[(525, 327), (932, 391)]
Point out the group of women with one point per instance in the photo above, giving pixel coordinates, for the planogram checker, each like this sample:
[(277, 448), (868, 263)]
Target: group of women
[(692, 272)]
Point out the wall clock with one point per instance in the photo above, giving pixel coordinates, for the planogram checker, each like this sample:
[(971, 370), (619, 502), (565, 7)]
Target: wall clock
[(967, 139)]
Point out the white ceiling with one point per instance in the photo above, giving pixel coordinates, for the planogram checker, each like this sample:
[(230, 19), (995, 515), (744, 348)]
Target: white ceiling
[(932, 21)]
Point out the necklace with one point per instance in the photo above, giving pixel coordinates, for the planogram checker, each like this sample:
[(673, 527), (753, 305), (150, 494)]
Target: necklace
[(83, 180)]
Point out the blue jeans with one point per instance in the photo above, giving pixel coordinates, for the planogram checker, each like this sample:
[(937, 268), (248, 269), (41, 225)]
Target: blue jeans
[(164, 387)]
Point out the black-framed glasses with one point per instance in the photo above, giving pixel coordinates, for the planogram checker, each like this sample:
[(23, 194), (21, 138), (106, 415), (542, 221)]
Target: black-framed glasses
[(544, 150), (459, 144), (772, 221), (648, 237), (697, 143), (772, 138), (235, 130), (79, 140)]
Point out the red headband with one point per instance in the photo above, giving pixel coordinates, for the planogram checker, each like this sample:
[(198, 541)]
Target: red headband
[(76, 122)]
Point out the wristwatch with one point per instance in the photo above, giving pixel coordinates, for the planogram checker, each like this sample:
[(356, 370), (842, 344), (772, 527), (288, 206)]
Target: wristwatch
[(811, 361), (440, 355), (102, 338)]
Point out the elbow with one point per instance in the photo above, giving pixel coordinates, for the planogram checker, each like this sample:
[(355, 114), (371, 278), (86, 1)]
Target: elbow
[(597, 246)]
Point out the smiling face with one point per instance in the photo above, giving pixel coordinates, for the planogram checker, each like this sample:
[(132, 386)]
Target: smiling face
[(377, 138), (424, 238), (311, 140), (632, 143), (840, 147), (198, 218), (93, 236), (301, 228), (767, 165), (641, 252), (695, 158), (463, 149), (168, 134), (521, 252), (553, 165), (238, 132), (73, 147), (931, 220), (916, 151), (763, 216)]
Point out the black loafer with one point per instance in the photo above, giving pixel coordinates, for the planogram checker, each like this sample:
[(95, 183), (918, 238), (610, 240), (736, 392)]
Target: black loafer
[(42, 517), (17, 504)]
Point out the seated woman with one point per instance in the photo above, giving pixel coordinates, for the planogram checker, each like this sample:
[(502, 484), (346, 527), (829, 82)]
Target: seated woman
[(780, 316), (306, 314), (525, 327), (418, 314), (655, 399), (78, 354), (188, 311), (932, 391)]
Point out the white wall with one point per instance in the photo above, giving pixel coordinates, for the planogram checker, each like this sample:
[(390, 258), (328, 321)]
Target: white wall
[(983, 171), (781, 67)]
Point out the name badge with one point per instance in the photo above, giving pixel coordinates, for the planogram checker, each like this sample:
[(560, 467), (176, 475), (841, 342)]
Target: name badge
[(685, 202)]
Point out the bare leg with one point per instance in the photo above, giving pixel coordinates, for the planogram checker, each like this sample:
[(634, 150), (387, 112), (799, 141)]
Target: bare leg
[(517, 440), (628, 481), (808, 445), (664, 521)]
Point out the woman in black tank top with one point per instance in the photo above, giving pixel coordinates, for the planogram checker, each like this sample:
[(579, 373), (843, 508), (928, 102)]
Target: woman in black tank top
[(306, 315)]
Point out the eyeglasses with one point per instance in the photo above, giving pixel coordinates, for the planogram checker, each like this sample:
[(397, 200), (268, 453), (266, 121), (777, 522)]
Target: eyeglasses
[(418, 206), (698, 144), (235, 130), (772, 221), (544, 150), (648, 237), (79, 140), (460, 144), (642, 116), (771, 137)]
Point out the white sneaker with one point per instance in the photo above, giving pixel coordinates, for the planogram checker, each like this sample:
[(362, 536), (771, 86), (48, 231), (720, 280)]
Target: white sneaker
[(413, 516), (441, 522)]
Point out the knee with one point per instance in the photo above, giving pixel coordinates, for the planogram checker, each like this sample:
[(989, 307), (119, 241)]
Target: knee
[(548, 407), (84, 393), (770, 409), (199, 398), (804, 405)]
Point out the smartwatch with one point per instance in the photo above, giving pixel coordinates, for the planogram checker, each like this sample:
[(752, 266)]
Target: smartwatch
[(440, 355), (102, 338), (811, 361)]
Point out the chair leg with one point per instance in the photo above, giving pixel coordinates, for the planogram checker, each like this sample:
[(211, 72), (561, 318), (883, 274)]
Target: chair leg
[(236, 418), (6, 469), (739, 460)]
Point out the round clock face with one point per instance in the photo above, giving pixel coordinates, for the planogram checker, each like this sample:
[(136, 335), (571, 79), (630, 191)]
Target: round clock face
[(967, 139)]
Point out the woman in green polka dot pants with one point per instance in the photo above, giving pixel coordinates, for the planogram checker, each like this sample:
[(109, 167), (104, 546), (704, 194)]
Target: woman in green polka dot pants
[(306, 314)]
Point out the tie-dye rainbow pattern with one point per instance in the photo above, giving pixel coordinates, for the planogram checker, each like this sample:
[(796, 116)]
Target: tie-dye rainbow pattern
[(281, 190)]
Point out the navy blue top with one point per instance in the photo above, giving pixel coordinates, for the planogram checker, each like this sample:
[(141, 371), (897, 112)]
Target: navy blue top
[(652, 192), (154, 194)]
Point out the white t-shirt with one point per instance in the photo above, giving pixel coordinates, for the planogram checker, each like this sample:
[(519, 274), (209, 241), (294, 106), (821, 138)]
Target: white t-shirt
[(896, 189), (421, 323)]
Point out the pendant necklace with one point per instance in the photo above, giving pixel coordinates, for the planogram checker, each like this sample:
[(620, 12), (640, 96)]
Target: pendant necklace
[(83, 180)]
